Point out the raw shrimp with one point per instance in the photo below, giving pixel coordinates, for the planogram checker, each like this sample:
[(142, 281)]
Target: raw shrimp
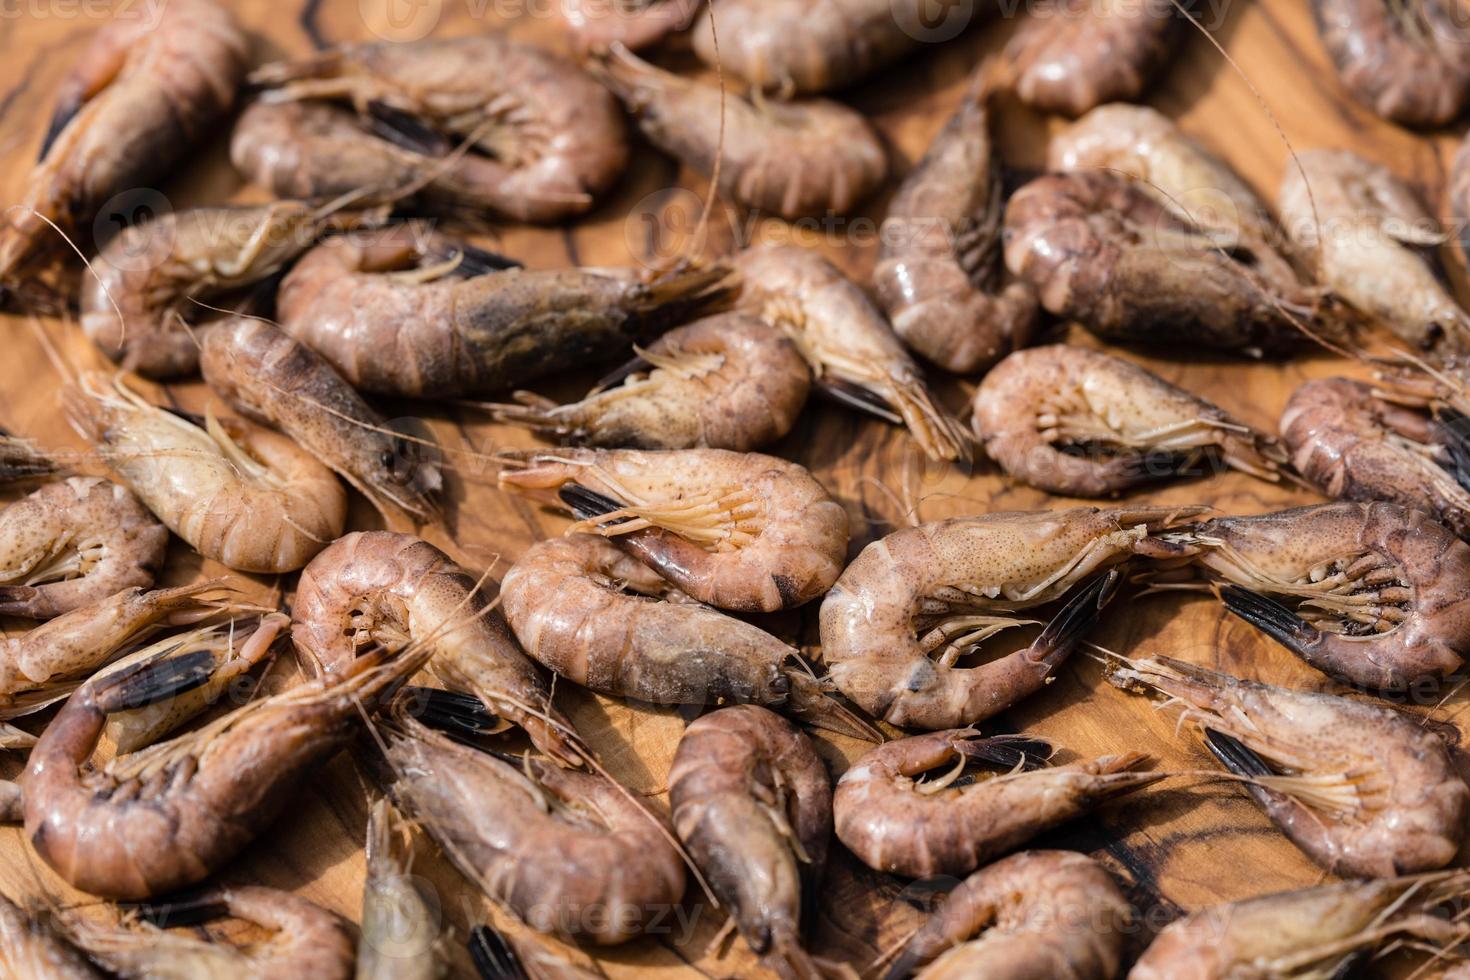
[(1033, 914), (1364, 791), (1070, 56), (395, 317), (740, 531), (1384, 592), (958, 582), (752, 803), (269, 377), (478, 122), (794, 159), (601, 619), (140, 96), (22, 460), (724, 382), (571, 853), (596, 25), (74, 542), (853, 352), (392, 590), (243, 495), (171, 815), (1084, 423), (31, 949), (938, 270), (1367, 234), (400, 926), (1408, 61), (896, 823), (1101, 250)]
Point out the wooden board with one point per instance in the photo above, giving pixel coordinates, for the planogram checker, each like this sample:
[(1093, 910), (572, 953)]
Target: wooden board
[(1182, 846)]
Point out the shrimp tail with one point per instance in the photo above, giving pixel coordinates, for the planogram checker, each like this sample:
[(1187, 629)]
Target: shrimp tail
[(808, 703), (1235, 755), (1022, 751), (493, 955), (1273, 619), (151, 682), (12, 805), (680, 296), (460, 716), (21, 459), (181, 913), (1075, 619)]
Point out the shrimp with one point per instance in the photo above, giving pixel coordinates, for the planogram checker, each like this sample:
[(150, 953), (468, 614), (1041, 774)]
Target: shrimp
[(400, 926), (724, 382), (1084, 423), (794, 159), (739, 531), (242, 495), (1033, 914), (32, 949), (393, 590), (74, 542), (542, 138), (938, 269), (1102, 251), (958, 582), (394, 317), (12, 803), (22, 460), (571, 853), (1409, 62), (1364, 791), (1367, 232), (1070, 56), (269, 377), (139, 98), (592, 614), (853, 352), (171, 815), (752, 803), (895, 823), (596, 25)]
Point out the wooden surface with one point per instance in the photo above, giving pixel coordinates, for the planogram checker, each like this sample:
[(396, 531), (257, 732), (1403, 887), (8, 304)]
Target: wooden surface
[(1180, 846)]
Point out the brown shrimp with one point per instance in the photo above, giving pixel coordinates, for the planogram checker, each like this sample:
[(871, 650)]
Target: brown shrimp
[(739, 531), (74, 542), (1365, 791), (402, 311), (1409, 61), (243, 495), (596, 25), (31, 948), (1034, 914), (725, 382), (140, 96), (1100, 250), (477, 122), (752, 803), (896, 823), (268, 377), (958, 582), (939, 254), (400, 925), (598, 617), (1085, 423), (793, 159), (854, 354)]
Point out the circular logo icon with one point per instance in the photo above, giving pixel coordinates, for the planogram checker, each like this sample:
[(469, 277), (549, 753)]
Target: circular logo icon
[(400, 20), (665, 225), (138, 208), (932, 21)]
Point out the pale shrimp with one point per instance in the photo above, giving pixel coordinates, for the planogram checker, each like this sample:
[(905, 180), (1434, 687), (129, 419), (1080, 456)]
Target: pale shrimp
[(1070, 56), (400, 925), (793, 159), (74, 542), (854, 354), (394, 590), (267, 376), (478, 122), (739, 531), (1101, 250), (1378, 587), (752, 802), (171, 815), (1034, 914), (588, 611), (22, 460), (957, 582), (1365, 791), (725, 382), (1407, 61), (31, 948), (596, 25), (571, 853), (939, 254), (402, 312), (1085, 423), (240, 494), (140, 96), (1367, 234), (895, 822)]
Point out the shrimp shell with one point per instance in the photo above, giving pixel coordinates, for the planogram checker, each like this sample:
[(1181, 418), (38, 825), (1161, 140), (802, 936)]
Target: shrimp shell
[(30, 949), (1409, 62), (400, 926)]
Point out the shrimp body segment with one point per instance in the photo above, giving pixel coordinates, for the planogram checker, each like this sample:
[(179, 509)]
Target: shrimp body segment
[(75, 542), (1407, 62)]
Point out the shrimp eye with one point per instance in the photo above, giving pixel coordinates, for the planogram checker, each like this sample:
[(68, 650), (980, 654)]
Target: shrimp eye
[(386, 459)]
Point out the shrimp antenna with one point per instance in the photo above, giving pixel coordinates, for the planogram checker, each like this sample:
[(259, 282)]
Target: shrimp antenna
[(85, 261)]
